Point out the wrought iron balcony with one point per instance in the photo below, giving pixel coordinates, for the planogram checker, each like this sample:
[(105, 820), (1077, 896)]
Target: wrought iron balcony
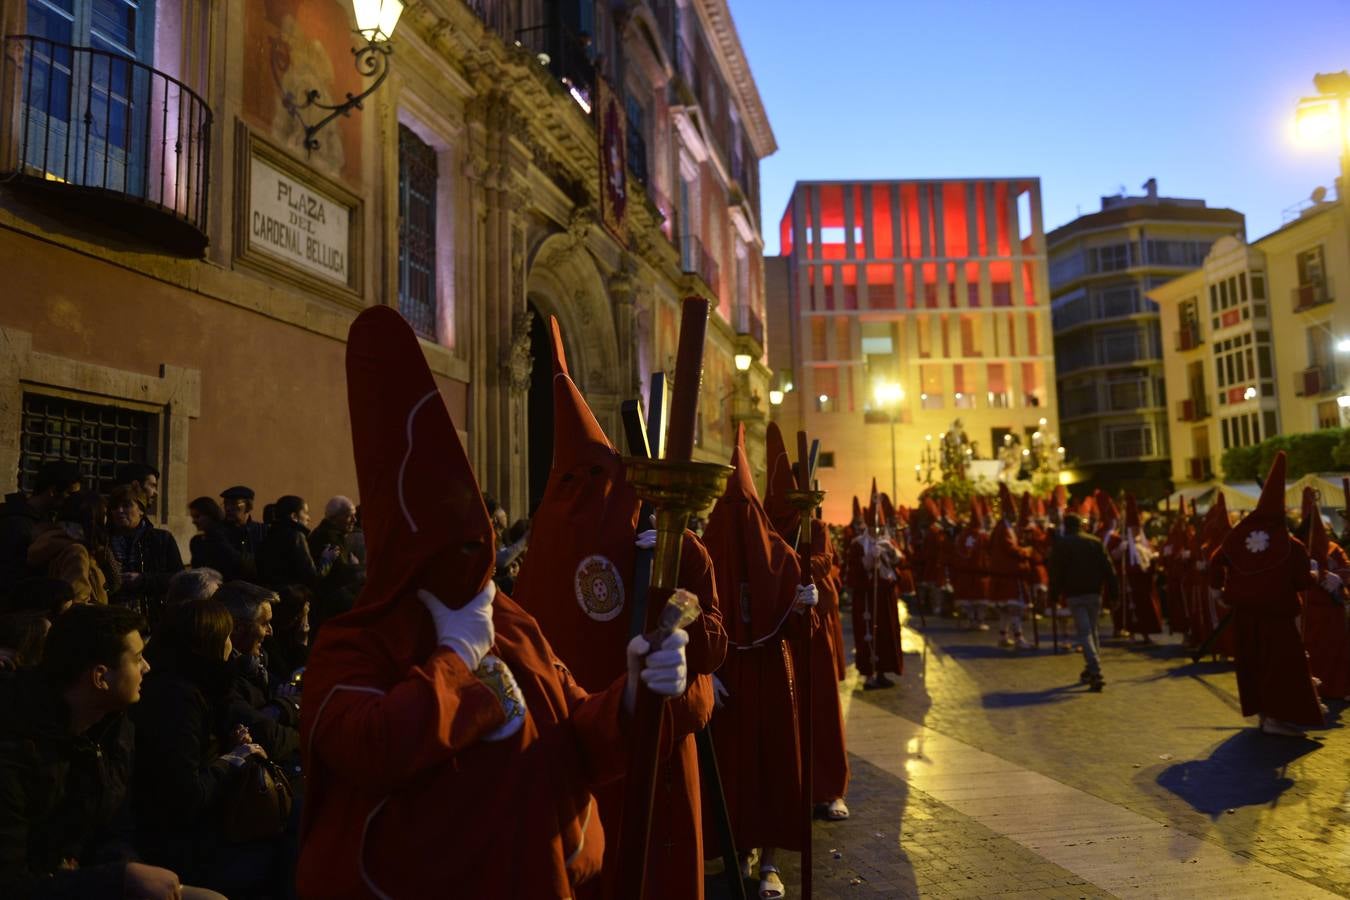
[(1315, 293), (568, 56), (1188, 338), (695, 260), (124, 135), (1315, 380), (749, 323), (1192, 409)]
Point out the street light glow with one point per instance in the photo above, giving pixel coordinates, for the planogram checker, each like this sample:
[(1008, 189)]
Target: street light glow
[(742, 361), (888, 393), (1042, 422), (824, 398), (775, 398), (1343, 401), (1315, 122), (1343, 345), (1249, 394)]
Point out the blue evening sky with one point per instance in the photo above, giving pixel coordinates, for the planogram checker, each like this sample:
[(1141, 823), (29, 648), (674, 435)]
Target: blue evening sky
[(1087, 95)]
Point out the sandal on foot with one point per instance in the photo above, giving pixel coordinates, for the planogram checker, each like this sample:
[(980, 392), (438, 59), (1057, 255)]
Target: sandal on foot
[(837, 810), (771, 884)]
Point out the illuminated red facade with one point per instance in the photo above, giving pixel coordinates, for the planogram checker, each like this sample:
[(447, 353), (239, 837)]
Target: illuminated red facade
[(937, 286)]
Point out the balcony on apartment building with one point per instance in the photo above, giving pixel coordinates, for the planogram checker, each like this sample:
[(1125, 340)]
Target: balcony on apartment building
[(1313, 294), (1315, 380), (100, 132), (696, 260), (568, 55), (1192, 409), (749, 323), (1200, 468), (1188, 337)]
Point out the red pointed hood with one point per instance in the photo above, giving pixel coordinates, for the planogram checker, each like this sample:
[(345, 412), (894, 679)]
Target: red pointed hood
[(1107, 511), (1059, 498), (1024, 510), (976, 520), (1319, 544), (949, 508), (1007, 506), (755, 567), (577, 578), (423, 513), (1215, 527), (781, 478), (931, 509), (1132, 512), (857, 511), (870, 515), (1261, 540), (888, 512)]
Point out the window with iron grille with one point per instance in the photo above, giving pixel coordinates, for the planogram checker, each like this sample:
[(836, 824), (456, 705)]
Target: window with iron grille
[(417, 232), (98, 438)]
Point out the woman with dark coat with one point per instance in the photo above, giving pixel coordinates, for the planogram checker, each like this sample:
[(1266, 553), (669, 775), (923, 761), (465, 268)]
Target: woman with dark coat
[(187, 750), (211, 547), (147, 556), (285, 557)]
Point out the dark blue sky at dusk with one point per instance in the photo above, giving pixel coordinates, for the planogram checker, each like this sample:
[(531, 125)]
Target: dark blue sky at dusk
[(1088, 96)]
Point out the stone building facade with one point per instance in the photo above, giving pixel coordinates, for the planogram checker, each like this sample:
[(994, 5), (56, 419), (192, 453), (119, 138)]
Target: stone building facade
[(181, 270)]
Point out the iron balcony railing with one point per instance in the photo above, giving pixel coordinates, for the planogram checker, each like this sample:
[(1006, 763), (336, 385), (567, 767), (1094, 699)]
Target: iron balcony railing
[(1314, 293), (748, 322), (568, 53), (101, 121), (695, 260), (1188, 337)]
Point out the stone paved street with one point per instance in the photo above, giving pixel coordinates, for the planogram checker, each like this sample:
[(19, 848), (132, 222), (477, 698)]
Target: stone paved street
[(989, 774)]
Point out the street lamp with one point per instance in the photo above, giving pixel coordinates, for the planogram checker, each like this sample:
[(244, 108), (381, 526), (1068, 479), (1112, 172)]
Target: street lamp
[(775, 397), (742, 361), (889, 396), (1319, 118), (375, 22)]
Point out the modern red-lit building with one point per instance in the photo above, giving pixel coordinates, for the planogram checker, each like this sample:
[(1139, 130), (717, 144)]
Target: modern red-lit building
[(934, 290)]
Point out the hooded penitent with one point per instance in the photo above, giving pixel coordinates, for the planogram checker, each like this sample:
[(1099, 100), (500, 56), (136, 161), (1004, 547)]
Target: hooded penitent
[(1324, 632), (779, 480), (1262, 569), (1024, 511), (577, 580), (756, 729), (1142, 609), (399, 730), (872, 585), (577, 576)]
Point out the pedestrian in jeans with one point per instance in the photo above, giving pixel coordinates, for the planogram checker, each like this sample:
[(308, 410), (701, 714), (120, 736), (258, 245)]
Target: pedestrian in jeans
[(1079, 570)]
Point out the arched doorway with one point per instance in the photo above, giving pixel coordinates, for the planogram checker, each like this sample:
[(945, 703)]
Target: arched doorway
[(539, 415)]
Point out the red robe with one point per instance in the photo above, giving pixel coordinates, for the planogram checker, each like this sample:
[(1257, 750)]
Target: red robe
[(1139, 608), (869, 609), (967, 565), (755, 730), (829, 758), (1272, 667), (1324, 631), (1174, 573), (932, 568), (1008, 565), (403, 793)]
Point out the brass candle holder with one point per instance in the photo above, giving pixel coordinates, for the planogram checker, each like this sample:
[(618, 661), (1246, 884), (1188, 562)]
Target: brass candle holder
[(805, 502), (676, 490)]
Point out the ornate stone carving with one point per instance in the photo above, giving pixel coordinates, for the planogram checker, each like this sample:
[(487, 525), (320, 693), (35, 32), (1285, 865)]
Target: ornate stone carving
[(579, 225), (520, 363)]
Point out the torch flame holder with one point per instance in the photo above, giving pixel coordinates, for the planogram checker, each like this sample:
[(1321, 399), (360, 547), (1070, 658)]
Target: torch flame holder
[(676, 490)]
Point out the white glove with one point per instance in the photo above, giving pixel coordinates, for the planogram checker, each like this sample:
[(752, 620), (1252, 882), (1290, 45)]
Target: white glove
[(720, 693), (807, 597), (467, 631), (646, 540), (497, 676), (663, 670), (1331, 582)]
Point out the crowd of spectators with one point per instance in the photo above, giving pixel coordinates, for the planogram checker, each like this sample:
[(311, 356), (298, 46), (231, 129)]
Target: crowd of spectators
[(149, 708)]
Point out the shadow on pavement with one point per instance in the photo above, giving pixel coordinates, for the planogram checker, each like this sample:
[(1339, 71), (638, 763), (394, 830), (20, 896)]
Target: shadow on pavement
[(1248, 769), (1011, 699)]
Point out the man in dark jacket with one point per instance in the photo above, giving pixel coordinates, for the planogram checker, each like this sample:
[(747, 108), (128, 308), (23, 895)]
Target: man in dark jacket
[(1079, 571), (66, 756), (246, 535), (20, 515)]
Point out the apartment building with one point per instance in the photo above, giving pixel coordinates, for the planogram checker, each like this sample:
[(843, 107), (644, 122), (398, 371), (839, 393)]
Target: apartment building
[(1259, 340), (900, 307), (1108, 345)]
